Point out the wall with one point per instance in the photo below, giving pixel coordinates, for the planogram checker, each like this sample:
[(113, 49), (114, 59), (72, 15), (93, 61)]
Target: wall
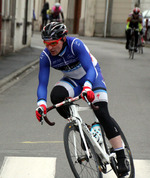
[(145, 5), (120, 12), (6, 40), (69, 14), (21, 24), (38, 4), (100, 17), (90, 7), (14, 34)]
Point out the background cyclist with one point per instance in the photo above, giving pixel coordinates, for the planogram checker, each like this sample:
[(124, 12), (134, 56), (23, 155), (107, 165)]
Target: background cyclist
[(81, 73), (134, 20), (56, 11)]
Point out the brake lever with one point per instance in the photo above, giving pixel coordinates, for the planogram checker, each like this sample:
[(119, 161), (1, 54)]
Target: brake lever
[(90, 104)]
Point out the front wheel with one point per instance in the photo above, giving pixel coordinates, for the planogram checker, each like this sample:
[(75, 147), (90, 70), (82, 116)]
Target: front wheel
[(131, 54), (131, 47), (80, 164)]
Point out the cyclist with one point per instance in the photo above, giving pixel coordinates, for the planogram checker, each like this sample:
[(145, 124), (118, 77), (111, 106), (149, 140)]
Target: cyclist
[(134, 20), (81, 73), (55, 13)]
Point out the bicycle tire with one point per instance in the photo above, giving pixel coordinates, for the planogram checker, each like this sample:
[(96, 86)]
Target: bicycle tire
[(127, 153), (132, 55), (131, 47), (141, 50), (81, 167), (140, 46)]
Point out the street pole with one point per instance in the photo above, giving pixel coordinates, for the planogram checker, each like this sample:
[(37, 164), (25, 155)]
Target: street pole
[(25, 23), (106, 18)]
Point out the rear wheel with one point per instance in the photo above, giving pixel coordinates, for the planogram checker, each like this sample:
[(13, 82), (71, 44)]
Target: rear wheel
[(148, 34), (80, 164), (128, 154), (140, 46)]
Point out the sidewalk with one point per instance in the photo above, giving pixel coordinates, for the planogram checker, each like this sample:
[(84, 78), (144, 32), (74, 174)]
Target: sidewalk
[(14, 64)]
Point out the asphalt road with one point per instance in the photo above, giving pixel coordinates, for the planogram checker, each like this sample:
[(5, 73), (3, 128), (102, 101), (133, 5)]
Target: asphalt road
[(129, 101)]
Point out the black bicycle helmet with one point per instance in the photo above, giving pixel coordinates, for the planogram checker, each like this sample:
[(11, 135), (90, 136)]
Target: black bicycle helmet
[(54, 31)]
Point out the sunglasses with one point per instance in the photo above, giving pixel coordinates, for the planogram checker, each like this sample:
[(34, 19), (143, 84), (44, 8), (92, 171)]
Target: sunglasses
[(52, 43)]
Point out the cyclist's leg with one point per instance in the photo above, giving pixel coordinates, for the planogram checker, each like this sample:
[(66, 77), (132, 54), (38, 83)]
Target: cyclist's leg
[(66, 87), (136, 39), (128, 36), (112, 132), (111, 129)]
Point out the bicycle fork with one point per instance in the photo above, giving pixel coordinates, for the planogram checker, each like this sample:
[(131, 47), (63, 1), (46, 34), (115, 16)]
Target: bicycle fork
[(98, 149), (82, 140)]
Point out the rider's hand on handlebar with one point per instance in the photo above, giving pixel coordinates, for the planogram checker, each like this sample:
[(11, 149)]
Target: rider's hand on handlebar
[(40, 111), (89, 94)]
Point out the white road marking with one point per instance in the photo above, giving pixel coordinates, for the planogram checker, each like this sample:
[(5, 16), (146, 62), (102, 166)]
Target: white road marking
[(28, 167), (43, 167), (30, 142)]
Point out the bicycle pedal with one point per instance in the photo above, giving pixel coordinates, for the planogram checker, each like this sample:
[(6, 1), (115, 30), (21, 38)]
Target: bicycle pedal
[(123, 175)]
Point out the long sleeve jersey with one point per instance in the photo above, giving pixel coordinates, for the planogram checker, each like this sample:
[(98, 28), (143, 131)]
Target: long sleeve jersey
[(75, 62), (134, 22)]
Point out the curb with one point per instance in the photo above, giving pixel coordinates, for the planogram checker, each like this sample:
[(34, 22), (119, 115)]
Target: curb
[(17, 73)]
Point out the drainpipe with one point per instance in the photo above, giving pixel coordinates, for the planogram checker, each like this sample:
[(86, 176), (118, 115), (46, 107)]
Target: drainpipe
[(106, 18), (0, 23), (24, 41)]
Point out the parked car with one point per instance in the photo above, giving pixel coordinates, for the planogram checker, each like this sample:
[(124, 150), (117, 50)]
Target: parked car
[(146, 15)]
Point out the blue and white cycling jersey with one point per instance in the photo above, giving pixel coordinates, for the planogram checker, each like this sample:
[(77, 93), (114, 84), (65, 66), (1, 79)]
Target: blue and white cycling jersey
[(75, 62)]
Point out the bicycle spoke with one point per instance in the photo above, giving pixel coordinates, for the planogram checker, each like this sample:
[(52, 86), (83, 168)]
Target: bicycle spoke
[(81, 165)]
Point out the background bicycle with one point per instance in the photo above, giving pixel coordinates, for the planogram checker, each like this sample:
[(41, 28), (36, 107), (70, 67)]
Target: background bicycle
[(139, 45)]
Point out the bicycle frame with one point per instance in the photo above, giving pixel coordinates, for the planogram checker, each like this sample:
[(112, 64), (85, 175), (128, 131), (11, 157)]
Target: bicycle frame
[(106, 157), (74, 110), (99, 148), (132, 43)]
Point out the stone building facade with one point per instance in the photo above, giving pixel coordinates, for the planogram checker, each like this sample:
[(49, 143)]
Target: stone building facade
[(105, 18)]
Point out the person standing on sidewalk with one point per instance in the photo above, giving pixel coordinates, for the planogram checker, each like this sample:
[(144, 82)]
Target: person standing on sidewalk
[(44, 15), (81, 74)]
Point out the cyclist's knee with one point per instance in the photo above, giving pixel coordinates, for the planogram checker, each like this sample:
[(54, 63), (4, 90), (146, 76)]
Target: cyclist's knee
[(58, 94)]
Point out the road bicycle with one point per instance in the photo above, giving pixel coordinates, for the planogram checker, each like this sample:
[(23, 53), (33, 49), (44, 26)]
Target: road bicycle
[(88, 156)]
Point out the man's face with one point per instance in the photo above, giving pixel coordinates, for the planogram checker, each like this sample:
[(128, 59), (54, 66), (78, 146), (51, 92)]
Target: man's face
[(135, 16), (54, 46)]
